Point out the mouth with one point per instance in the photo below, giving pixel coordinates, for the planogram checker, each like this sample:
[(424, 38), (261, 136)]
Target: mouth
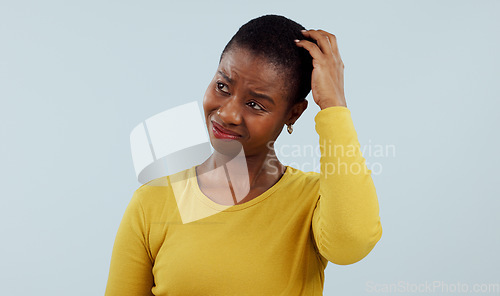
[(222, 133)]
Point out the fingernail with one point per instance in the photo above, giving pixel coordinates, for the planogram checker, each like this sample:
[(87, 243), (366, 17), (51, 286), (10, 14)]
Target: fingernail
[(303, 31), (296, 40)]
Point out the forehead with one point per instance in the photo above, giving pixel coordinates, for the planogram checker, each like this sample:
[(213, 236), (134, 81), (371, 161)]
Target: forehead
[(244, 67)]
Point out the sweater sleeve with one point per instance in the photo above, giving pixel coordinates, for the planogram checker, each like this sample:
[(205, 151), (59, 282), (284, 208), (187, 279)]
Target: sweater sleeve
[(130, 272), (346, 223)]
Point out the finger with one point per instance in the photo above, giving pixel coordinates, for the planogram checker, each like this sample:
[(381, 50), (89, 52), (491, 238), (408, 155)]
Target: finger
[(335, 49), (313, 49), (332, 40), (322, 40)]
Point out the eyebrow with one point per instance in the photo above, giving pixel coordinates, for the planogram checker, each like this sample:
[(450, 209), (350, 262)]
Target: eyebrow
[(225, 76), (262, 96), (252, 93)]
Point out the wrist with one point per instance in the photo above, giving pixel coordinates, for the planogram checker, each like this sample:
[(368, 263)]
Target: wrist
[(327, 104)]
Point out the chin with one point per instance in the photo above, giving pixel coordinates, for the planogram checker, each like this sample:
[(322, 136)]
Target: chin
[(230, 148)]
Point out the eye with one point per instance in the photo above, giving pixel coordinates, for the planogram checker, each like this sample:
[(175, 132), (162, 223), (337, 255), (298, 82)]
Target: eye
[(255, 106), (220, 87)]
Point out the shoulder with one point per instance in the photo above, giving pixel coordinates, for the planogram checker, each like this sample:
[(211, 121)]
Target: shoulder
[(302, 181), (302, 176), (157, 194)]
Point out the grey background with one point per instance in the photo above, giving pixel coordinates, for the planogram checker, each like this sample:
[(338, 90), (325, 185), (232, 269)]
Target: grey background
[(76, 77)]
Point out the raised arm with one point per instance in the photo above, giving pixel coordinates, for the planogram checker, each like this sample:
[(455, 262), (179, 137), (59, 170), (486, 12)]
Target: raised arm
[(346, 223), (130, 272)]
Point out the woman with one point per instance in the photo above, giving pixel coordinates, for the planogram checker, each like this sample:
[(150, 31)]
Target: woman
[(255, 227)]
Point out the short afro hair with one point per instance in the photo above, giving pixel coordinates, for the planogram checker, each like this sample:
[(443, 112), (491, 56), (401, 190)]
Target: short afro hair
[(272, 36)]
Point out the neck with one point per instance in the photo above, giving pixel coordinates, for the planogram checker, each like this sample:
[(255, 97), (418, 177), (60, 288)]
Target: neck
[(255, 170)]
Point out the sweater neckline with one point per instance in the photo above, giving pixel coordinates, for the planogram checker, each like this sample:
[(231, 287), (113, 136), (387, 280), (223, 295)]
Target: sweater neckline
[(220, 207)]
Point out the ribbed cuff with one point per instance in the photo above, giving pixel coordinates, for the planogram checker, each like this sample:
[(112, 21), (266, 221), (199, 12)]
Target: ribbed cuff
[(335, 121)]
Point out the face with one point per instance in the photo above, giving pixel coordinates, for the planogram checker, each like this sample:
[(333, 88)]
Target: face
[(246, 103)]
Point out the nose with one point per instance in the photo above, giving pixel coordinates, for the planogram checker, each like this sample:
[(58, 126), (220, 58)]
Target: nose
[(230, 112)]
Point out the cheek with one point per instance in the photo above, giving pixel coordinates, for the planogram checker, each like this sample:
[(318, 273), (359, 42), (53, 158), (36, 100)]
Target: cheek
[(264, 129), (208, 101)]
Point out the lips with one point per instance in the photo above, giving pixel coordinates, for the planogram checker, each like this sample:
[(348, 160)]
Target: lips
[(221, 132)]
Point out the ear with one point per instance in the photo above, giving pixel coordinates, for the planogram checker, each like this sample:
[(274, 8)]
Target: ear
[(295, 112)]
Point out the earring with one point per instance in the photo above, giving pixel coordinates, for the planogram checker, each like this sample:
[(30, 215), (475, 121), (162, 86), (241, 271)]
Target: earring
[(218, 112), (290, 128)]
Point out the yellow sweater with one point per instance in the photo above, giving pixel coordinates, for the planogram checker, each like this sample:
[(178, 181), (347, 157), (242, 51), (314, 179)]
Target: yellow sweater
[(275, 244)]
